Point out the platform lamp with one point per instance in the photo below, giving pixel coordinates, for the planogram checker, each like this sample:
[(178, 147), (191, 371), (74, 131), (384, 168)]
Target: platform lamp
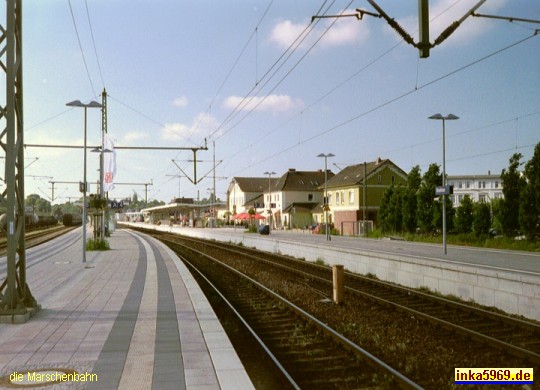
[(326, 207), (269, 198), (444, 119), (92, 104)]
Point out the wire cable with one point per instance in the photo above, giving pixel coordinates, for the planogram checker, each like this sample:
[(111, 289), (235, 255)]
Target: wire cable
[(397, 98), (81, 48), (286, 54), (94, 42)]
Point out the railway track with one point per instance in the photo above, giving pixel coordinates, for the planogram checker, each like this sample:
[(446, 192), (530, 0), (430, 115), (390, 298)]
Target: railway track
[(37, 237), (308, 353), (508, 334)]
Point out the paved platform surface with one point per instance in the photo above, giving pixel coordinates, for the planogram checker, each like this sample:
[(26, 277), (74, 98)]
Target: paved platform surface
[(129, 318), (508, 260)]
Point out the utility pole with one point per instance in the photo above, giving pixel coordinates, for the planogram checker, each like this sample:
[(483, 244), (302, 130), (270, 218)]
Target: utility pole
[(16, 301)]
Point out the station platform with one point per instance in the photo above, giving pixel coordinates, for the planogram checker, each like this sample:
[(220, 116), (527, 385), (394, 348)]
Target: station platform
[(507, 280), (129, 318)]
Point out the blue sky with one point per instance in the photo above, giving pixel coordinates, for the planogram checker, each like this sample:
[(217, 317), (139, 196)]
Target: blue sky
[(177, 72)]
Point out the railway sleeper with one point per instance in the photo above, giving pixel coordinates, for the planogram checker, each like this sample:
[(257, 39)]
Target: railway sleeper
[(340, 359), (273, 324), (344, 382)]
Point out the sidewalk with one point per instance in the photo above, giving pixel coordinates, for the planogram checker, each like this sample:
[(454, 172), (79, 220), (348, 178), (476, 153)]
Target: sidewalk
[(130, 318)]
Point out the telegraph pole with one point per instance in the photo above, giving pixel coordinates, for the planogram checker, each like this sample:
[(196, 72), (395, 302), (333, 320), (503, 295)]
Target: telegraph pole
[(16, 302)]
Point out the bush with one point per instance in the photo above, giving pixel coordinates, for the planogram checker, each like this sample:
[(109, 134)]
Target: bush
[(97, 245)]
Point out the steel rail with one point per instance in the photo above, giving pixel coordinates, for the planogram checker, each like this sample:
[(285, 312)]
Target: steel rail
[(245, 323), (401, 379), (494, 342)]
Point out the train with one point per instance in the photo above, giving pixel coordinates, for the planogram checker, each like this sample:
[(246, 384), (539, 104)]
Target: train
[(32, 221), (72, 219)]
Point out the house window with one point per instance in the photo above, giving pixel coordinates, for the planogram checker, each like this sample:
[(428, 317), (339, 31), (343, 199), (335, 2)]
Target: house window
[(496, 184), (329, 198), (342, 197), (393, 179), (460, 185), (310, 197), (468, 185), (351, 196), (379, 179), (337, 198), (482, 198)]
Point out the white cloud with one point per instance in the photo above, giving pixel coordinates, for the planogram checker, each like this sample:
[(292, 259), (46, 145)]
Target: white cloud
[(174, 131), (202, 124), (272, 103), (181, 102), (134, 136), (285, 32), (345, 31)]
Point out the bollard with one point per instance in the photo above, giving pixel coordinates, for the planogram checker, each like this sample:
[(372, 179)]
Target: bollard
[(338, 277)]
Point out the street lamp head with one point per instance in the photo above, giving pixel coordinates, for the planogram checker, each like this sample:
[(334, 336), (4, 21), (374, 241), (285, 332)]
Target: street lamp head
[(75, 103), (78, 103), (94, 104), (326, 155), (270, 173), (448, 117)]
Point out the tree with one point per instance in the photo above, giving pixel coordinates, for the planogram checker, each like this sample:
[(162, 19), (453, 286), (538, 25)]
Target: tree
[(409, 200), (529, 210), (390, 217), (513, 185), (464, 215), (43, 206), (482, 219), (384, 210), (426, 209), (31, 200)]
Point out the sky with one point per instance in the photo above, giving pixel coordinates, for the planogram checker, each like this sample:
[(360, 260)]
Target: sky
[(266, 88)]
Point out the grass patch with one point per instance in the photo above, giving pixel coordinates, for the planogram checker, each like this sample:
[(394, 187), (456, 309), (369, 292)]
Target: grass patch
[(97, 245)]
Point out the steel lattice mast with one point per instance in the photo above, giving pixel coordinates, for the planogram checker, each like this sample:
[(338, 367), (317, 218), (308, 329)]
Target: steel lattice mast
[(16, 301)]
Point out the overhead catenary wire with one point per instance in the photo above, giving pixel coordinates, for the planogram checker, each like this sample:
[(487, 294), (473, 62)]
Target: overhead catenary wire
[(394, 99), (94, 43), (81, 48), (341, 84), (280, 61), (260, 101), (292, 46), (233, 67)]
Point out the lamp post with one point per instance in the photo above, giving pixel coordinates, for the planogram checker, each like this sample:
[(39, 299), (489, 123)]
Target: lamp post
[(269, 199), (444, 119), (92, 104), (326, 207)]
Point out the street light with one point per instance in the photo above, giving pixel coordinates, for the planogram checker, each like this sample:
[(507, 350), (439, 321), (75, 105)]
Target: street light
[(444, 119), (92, 104), (269, 200), (326, 208)]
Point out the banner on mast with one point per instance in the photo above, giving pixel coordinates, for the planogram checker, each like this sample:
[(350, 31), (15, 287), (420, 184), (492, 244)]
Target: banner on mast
[(109, 163)]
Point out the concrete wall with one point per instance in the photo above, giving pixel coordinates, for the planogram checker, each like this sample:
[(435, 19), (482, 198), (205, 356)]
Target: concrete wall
[(513, 292)]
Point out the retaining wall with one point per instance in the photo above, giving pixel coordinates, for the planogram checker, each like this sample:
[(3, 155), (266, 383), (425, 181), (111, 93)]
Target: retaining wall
[(512, 291)]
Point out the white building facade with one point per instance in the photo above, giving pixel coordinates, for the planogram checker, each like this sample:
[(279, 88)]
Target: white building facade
[(480, 188)]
